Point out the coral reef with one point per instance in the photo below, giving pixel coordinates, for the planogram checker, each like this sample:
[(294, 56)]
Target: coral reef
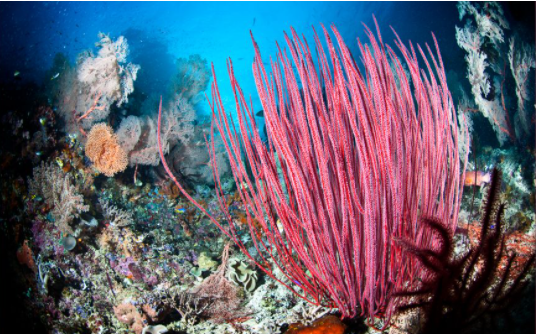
[(329, 202)]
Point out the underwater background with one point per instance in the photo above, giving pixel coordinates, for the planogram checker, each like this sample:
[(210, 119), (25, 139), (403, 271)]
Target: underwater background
[(96, 237), (159, 33)]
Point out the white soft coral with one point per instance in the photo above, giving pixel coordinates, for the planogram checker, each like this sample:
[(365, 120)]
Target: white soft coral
[(107, 76)]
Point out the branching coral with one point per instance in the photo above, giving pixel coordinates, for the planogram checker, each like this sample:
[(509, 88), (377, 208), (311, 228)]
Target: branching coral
[(489, 18), (129, 315), (193, 76), (107, 75), (115, 216), (221, 292), (117, 237), (484, 42), (192, 160), (56, 188), (129, 132), (470, 290), (189, 306), (104, 151), (521, 60)]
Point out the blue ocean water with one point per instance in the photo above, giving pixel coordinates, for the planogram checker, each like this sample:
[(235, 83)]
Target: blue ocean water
[(158, 33)]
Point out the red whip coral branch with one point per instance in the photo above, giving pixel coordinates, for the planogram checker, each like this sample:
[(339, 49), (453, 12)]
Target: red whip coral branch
[(92, 108), (353, 156)]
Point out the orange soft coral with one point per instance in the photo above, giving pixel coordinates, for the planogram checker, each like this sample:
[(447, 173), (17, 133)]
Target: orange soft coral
[(25, 256), (326, 325), (104, 151)]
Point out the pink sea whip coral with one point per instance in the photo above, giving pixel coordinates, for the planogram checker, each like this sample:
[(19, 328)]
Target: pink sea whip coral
[(353, 156)]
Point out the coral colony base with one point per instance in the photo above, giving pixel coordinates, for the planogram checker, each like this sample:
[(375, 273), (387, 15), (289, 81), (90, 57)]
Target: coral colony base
[(358, 200)]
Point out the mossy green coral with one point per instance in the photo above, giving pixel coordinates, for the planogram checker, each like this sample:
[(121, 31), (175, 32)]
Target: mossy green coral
[(205, 262)]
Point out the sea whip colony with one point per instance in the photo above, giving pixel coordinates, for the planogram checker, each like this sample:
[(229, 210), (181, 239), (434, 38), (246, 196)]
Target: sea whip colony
[(354, 157)]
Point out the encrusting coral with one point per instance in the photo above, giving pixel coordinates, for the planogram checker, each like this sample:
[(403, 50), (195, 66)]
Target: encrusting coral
[(242, 275), (104, 151), (329, 324)]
